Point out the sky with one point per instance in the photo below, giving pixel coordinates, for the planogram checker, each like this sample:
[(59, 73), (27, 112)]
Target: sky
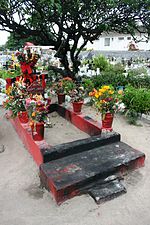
[(3, 37)]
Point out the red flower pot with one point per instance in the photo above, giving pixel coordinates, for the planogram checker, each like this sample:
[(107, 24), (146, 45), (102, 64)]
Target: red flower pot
[(38, 134), (23, 117), (107, 120), (61, 98), (77, 106)]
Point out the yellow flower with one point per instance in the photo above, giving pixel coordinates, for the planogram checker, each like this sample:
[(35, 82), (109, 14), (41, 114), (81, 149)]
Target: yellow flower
[(106, 87), (96, 95), (102, 90), (33, 114), (8, 91), (100, 93), (111, 92)]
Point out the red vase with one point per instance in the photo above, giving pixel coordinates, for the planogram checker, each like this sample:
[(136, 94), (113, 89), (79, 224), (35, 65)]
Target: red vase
[(61, 98), (38, 134), (77, 106), (23, 117), (107, 120)]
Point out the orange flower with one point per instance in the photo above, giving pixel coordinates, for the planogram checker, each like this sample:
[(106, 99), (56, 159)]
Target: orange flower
[(93, 92), (67, 78), (6, 101), (31, 123)]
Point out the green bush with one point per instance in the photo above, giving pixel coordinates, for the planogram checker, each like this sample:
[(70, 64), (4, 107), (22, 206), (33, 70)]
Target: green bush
[(138, 78), (100, 62), (137, 100), (88, 85), (114, 75)]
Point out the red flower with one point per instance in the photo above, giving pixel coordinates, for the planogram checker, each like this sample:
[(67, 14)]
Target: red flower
[(17, 53)]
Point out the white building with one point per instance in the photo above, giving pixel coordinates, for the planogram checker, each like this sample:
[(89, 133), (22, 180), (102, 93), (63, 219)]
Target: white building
[(119, 42)]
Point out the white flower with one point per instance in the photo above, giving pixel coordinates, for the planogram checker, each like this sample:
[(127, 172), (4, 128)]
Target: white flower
[(120, 106)]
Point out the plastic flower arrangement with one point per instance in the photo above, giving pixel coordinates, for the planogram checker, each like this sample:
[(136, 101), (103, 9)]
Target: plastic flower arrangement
[(37, 109), (27, 60), (77, 94), (16, 99), (106, 99)]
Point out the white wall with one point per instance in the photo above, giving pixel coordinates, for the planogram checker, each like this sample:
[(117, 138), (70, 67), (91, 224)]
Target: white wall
[(116, 44)]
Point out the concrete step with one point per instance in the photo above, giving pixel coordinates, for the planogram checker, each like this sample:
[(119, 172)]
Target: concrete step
[(107, 191), (52, 153), (66, 176)]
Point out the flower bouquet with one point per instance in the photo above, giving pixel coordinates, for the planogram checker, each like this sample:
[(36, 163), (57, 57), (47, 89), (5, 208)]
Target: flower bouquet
[(37, 111), (77, 95), (107, 101), (27, 61), (15, 102), (63, 87)]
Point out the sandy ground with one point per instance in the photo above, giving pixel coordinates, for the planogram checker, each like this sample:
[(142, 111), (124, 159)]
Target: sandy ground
[(23, 202), (62, 131)]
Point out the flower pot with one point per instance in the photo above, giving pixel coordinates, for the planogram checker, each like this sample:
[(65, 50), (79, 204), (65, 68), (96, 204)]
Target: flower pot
[(23, 116), (107, 120), (77, 106), (61, 98), (38, 134)]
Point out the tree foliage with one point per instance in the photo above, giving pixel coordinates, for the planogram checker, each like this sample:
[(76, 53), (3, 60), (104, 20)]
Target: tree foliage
[(14, 41), (62, 23)]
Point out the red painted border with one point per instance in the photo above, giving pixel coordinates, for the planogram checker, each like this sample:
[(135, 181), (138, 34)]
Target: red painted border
[(87, 125), (24, 132)]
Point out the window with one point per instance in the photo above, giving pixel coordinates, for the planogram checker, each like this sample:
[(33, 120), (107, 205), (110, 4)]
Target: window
[(128, 38), (120, 38), (107, 42)]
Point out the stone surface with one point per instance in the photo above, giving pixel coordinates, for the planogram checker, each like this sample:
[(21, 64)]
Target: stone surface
[(64, 177), (74, 147), (107, 191)]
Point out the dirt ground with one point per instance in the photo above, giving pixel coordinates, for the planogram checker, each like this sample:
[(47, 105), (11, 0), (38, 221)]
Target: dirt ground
[(62, 131), (23, 202)]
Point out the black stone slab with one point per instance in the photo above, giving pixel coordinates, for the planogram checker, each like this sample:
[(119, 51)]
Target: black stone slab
[(107, 191), (66, 175), (62, 150), (97, 183), (53, 108)]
